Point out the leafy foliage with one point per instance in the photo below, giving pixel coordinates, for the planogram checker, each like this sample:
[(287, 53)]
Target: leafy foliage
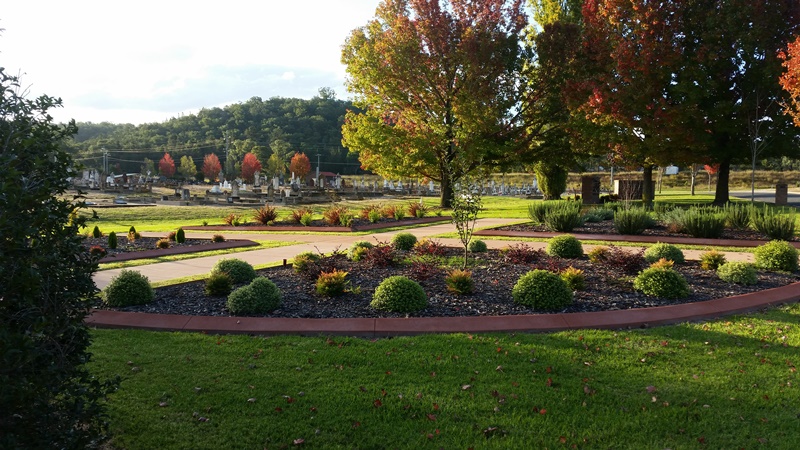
[(332, 284), (163, 243), (737, 215), (399, 294), (738, 272), (217, 238), (239, 271), (417, 209), (259, 297), (180, 236), (381, 255), (97, 251), (266, 215), (542, 290), (96, 233), (459, 281), (218, 284), (128, 288), (773, 225), (711, 260), (166, 166), (466, 206), (303, 260), (358, 250), (661, 282), (296, 215), (300, 165), (776, 255), (626, 261), (565, 246), (521, 254), (334, 214), (574, 278), (428, 246), (704, 223), (477, 246), (404, 241), (552, 179), (250, 165), (211, 167), (632, 221), (662, 250)]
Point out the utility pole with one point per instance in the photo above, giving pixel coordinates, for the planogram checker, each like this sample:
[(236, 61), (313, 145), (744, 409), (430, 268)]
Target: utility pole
[(318, 155)]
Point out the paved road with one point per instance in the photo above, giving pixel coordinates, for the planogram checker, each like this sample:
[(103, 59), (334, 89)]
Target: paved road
[(768, 195)]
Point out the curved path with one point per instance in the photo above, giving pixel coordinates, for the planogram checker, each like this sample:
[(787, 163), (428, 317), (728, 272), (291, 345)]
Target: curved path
[(377, 327)]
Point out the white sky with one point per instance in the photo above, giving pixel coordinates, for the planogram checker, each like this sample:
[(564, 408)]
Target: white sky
[(148, 61)]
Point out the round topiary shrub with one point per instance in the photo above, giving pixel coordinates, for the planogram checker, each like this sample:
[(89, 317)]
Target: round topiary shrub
[(358, 250), (477, 246), (738, 272), (776, 255), (661, 282), (128, 288), (218, 284), (259, 297), (542, 290), (565, 246), (666, 251), (302, 260), (399, 294), (404, 241), (239, 271)]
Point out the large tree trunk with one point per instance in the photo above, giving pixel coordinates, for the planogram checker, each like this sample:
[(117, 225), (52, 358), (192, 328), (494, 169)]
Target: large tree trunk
[(647, 187), (693, 174), (446, 200), (722, 195)]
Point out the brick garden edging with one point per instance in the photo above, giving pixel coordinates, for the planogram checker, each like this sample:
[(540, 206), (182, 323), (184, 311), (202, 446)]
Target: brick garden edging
[(331, 229), (158, 252)]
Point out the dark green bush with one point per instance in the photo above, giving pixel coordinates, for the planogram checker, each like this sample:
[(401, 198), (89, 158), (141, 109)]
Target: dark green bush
[(738, 272), (239, 271), (704, 223), (477, 246), (598, 214), (218, 284), (303, 260), (96, 233), (112, 240), (399, 294), (632, 221), (459, 281), (552, 179), (217, 238), (711, 260), (542, 290), (163, 243), (737, 215), (127, 289), (180, 236), (666, 251), (772, 224), (404, 241), (565, 246), (776, 255), (661, 282), (537, 211), (358, 250), (565, 218), (261, 296)]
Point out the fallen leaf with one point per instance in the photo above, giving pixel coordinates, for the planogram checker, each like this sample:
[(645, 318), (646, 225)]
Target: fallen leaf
[(377, 403), (466, 387), (432, 417), (251, 400), (549, 382), (650, 389), (163, 404), (435, 406), (299, 441), (542, 411)]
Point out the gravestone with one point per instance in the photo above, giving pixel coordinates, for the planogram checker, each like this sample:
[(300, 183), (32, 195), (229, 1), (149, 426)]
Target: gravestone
[(630, 189), (590, 190), (185, 195)]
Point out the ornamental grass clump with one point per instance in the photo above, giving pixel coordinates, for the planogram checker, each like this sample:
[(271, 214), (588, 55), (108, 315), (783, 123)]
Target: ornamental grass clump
[(661, 282), (163, 243), (776, 255), (399, 294), (296, 215), (666, 251), (417, 209), (737, 216), (711, 260), (772, 224), (542, 290), (266, 215), (358, 250), (704, 223), (738, 272), (127, 289), (404, 241), (217, 238), (564, 217), (459, 281), (332, 284), (575, 278), (565, 246), (261, 296), (632, 221), (239, 271)]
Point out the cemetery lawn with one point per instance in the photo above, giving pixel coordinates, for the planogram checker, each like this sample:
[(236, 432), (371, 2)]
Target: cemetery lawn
[(729, 383)]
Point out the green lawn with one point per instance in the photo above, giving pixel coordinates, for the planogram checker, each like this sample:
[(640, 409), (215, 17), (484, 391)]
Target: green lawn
[(730, 383)]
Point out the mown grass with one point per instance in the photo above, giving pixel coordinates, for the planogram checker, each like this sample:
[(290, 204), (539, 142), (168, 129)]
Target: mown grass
[(730, 383), (141, 262)]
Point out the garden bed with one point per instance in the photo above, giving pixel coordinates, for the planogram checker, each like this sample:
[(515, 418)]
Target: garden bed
[(322, 226), (493, 274), (145, 247)]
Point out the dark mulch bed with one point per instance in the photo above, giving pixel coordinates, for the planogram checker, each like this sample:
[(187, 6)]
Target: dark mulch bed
[(494, 278), (145, 243), (607, 227)]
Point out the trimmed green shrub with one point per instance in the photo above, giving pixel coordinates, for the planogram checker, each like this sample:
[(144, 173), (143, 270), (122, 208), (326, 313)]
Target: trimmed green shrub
[(374, 216), (738, 272), (773, 225), (552, 179), (96, 232), (542, 290), (112, 240), (477, 246), (259, 297), (537, 211), (239, 271), (399, 294), (601, 214), (128, 288), (565, 246), (459, 281), (133, 234), (331, 284), (404, 241), (218, 284), (632, 221), (673, 220), (574, 278), (711, 260), (217, 238), (666, 251), (661, 282), (303, 260), (358, 250), (776, 255), (565, 218), (737, 215), (306, 219), (180, 236)]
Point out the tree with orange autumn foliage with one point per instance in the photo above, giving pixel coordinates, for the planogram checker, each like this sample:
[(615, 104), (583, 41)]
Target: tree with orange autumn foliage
[(300, 165), (790, 80), (166, 167), (211, 167), (250, 165)]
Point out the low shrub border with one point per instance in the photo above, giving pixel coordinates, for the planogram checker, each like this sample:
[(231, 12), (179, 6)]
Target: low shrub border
[(330, 229), (174, 250)]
